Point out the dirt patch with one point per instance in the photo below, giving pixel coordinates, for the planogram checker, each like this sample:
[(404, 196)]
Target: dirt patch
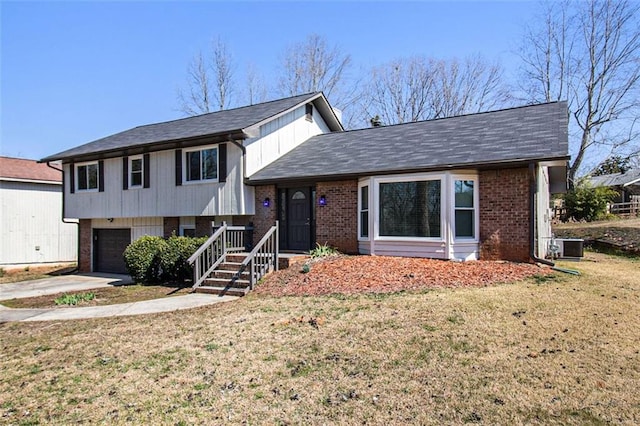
[(33, 272), (103, 296), (382, 274), (622, 234)]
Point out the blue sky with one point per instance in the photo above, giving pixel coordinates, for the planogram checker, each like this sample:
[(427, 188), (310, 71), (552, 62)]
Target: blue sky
[(73, 72)]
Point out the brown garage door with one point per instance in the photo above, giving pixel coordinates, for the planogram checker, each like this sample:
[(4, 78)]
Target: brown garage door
[(108, 247)]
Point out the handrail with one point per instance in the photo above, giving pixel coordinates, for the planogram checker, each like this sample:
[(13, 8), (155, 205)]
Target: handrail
[(263, 257), (207, 258)]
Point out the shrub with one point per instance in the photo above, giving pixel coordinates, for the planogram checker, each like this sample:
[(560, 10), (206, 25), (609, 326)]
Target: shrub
[(323, 251), (74, 299), (173, 259), (143, 259), (585, 202)]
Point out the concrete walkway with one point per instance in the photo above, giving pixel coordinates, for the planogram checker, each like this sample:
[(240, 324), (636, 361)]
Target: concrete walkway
[(71, 283)]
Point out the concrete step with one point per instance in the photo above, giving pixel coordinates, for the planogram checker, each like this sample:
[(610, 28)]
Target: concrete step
[(223, 291), (221, 282)]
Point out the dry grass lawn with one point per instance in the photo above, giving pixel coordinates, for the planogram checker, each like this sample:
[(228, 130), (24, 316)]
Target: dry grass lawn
[(33, 272), (562, 350)]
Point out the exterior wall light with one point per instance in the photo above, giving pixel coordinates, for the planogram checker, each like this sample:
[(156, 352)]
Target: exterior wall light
[(322, 201), (266, 202)]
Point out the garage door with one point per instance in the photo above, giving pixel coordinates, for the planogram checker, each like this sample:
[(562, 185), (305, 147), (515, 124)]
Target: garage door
[(108, 247)]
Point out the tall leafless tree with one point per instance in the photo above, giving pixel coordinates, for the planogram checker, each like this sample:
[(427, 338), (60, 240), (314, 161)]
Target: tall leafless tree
[(421, 88), (312, 66), (588, 52), (210, 82), (256, 90)]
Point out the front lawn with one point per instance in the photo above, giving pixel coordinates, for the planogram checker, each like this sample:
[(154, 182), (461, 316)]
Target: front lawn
[(557, 349)]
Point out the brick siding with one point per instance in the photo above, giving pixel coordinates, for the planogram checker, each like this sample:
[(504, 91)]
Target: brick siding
[(84, 262), (265, 217), (203, 226), (337, 222), (504, 214), (170, 225)]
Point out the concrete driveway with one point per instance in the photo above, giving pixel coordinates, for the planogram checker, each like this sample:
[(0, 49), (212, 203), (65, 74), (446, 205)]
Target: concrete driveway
[(69, 283)]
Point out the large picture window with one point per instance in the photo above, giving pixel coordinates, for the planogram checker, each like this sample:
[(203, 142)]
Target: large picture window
[(201, 165), (410, 209), (464, 209), (87, 177)]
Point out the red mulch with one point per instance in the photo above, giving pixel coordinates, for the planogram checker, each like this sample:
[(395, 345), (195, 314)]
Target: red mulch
[(381, 274)]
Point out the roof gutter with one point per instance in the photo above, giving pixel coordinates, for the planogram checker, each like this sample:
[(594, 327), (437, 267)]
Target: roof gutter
[(533, 189), (77, 223)]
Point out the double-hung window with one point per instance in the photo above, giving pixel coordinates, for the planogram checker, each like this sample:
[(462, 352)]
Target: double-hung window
[(410, 209), (201, 165), (364, 211), (87, 177), (136, 170), (465, 211)]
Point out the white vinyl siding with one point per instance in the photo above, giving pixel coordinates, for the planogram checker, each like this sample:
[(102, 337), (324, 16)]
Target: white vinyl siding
[(32, 227), (164, 198)]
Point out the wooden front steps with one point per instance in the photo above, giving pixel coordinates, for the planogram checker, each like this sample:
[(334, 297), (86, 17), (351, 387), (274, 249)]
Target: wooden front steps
[(226, 280)]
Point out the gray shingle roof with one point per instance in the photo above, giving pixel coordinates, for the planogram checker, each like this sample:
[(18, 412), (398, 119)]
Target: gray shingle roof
[(630, 177), (513, 135), (221, 122)]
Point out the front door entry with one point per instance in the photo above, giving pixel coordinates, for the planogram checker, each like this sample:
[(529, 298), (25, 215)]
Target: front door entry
[(299, 218)]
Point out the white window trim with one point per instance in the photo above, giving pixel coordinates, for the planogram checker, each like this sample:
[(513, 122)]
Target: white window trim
[(77, 176), (185, 165), (361, 185), (408, 178), (476, 209), (142, 170)]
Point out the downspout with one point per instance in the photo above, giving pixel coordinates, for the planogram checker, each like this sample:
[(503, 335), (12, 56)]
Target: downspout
[(533, 189), (69, 222)]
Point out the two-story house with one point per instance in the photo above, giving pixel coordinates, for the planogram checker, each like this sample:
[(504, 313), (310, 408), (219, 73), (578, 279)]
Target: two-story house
[(468, 187)]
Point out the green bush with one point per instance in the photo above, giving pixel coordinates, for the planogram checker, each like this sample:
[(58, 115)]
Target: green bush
[(143, 259), (588, 203), (323, 251), (173, 259)]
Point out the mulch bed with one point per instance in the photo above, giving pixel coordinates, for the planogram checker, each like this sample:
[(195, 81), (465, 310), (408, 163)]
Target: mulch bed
[(381, 274)]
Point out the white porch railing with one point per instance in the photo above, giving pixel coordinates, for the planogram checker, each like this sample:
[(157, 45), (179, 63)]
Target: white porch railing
[(263, 258), (207, 258)]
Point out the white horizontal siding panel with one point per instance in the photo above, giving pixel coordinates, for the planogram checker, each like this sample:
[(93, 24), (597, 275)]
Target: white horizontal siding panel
[(435, 250), (32, 227)]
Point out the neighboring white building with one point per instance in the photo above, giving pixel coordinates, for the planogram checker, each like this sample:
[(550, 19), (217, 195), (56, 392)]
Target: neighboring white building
[(32, 230)]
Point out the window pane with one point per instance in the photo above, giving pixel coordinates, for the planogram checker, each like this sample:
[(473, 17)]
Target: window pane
[(92, 172), (193, 165), (82, 177), (464, 223), (136, 165), (136, 172), (464, 193), (410, 209), (298, 195), (210, 164), (364, 198), (364, 224)]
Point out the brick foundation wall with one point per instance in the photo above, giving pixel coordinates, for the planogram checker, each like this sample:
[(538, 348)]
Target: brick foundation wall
[(504, 215), (170, 225), (337, 222), (265, 217), (203, 226), (84, 262)]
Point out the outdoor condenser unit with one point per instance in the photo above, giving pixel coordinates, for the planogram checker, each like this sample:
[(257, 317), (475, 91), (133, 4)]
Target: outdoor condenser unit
[(569, 247)]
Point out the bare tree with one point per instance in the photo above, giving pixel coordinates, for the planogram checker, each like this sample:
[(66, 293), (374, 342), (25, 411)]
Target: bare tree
[(210, 82), (313, 66), (589, 54), (420, 88), (256, 90)]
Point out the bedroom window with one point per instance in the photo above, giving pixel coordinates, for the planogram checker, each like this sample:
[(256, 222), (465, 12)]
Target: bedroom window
[(364, 211), (464, 209), (87, 177), (136, 167), (410, 209), (201, 165)]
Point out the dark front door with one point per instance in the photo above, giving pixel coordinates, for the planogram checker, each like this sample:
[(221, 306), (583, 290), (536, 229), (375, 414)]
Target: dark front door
[(108, 249), (299, 218)]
